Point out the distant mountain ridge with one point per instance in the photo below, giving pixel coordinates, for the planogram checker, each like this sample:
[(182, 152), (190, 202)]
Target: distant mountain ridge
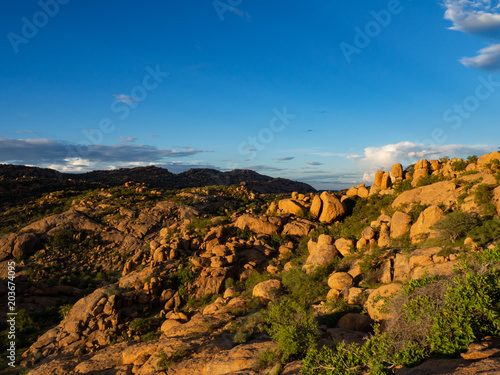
[(157, 177)]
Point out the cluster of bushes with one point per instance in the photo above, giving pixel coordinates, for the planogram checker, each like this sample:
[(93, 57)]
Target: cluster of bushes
[(433, 317)]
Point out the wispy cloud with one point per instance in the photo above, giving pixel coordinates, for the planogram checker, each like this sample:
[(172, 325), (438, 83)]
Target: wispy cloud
[(477, 17), (287, 158), (122, 98), (488, 59), (314, 163), (45, 152), (127, 139)]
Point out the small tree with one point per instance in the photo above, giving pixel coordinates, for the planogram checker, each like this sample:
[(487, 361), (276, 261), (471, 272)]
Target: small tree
[(293, 327), (455, 225)]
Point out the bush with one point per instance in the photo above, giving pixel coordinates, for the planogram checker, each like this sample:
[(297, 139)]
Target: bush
[(430, 179), (364, 212), (488, 231), (472, 159), (455, 225), (251, 326), (255, 278), (307, 288), (64, 311), (166, 361), (432, 317), (293, 327), (141, 325), (484, 197), (459, 165)]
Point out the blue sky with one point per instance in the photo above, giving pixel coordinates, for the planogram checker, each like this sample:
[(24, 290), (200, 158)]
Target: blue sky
[(324, 93)]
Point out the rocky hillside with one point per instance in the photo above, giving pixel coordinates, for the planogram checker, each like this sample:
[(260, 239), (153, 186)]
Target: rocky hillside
[(398, 277), (18, 182)]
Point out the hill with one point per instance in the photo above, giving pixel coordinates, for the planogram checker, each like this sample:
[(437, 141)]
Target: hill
[(398, 277), (19, 183)]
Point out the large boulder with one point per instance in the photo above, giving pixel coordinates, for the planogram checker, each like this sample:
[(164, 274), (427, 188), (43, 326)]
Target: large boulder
[(25, 245), (422, 229), (386, 181), (400, 224), (322, 252), (487, 159), (345, 246), (332, 210), (291, 206), (316, 205), (340, 280), (418, 175), (268, 290), (376, 302), (397, 171), (297, 228), (378, 178), (356, 322), (444, 192), (256, 224)]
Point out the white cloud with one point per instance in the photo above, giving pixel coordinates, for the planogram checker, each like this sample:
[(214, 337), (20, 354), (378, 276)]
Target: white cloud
[(473, 16), (478, 17), (384, 157), (488, 59), (122, 98)]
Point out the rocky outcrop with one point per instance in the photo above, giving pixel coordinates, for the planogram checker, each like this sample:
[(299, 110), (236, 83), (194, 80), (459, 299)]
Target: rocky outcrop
[(400, 224), (256, 224), (484, 160), (292, 206), (268, 290), (444, 192), (422, 229), (322, 251), (332, 208)]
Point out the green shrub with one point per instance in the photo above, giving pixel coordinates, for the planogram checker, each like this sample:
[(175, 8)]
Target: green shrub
[(415, 211), (402, 186), (349, 359), (430, 179), (455, 225), (364, 212), (251, 326), (24, 323), (255, 278), (459, 165), (484, 197), (431, 317), (307, 288), (268, 357), (293, 327), (472, 159), (64, 311), (166, 361), (488, 231), (141, 325)]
